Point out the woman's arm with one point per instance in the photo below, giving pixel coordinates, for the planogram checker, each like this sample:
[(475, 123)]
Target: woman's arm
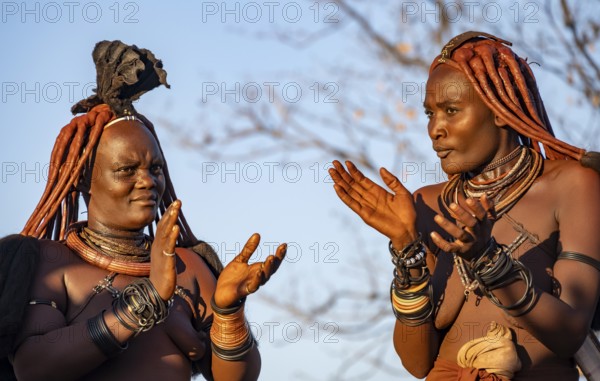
[(210, 365), (67, 352), (399, 217), (49, 349), (561, 323), (418, 346), (237, 280)]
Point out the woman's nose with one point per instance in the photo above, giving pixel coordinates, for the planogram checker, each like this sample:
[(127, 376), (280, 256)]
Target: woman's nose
[(436, 129), (145, 179)]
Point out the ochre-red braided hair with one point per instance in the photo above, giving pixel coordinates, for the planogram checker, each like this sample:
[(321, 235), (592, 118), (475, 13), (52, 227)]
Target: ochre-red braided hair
[(123, 73), (506, 84), (59, 205)]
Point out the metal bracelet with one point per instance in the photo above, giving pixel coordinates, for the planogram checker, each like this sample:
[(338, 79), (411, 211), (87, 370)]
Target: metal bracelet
[(406, 251), (229, 310), (234, 354), (103, 337)]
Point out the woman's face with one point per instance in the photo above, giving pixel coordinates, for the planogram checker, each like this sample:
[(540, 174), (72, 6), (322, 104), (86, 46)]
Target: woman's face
[(127, 178), (464, 131)]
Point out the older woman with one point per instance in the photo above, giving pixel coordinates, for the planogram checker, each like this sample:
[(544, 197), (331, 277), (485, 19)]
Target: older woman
[(497, 270), (107, 300)]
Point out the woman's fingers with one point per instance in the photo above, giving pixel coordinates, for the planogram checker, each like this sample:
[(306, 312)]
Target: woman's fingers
[(452, 229), (354, 205), (482, 208), (467, 218), (278, 258), (353, 177), (347, 183), (344, 182), (472, 226), (392, 182), (267, 267), (476, 208), (162, 265), (249, 248), (169, 246), (273, 262), (169, 219), (489, 206), (343, 179), (341, 171), (167, 232), (342, 185), (257, 277), (261, 272), (444, 245), (365, 183)]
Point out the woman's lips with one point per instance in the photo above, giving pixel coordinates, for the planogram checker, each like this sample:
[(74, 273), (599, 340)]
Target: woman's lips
[(146, 202), (442, 154)]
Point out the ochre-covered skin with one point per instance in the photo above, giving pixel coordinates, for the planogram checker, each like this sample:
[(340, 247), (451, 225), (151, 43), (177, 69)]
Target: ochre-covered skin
[(111, 156), (482, 103), (513, 94)]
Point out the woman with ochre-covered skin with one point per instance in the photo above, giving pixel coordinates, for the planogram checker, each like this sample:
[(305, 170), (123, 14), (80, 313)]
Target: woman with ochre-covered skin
[(496, 272), (106, 300)]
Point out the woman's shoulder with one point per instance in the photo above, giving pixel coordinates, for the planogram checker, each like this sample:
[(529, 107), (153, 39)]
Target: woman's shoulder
[(569, 177), (429, 195), (571, 191), (194, 263), (432, 190), (55, 253)]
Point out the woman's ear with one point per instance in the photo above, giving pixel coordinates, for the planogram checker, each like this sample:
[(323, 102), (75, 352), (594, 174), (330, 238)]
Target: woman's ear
[(499, 121)]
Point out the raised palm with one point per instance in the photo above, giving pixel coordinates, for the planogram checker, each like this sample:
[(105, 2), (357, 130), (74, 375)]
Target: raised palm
[(240, 279), (392, 214)]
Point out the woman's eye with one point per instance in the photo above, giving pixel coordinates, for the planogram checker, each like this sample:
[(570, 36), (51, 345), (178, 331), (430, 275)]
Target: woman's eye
[(451, 110), (157, 168), (126, 170), (428, 113)]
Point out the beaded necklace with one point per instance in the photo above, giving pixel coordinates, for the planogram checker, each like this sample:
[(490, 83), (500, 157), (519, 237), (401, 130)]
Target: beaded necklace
[(108, 252), (526, 171)]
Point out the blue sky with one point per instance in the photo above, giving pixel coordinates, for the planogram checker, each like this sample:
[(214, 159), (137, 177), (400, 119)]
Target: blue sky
[(209, 48), (47, 67)]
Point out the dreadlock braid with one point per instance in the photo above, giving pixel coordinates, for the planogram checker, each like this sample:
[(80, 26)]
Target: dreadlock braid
[(506, 84), (72, 149)]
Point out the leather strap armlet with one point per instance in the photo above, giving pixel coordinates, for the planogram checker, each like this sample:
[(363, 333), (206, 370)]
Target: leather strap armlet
[(579, 258), (50, 303)]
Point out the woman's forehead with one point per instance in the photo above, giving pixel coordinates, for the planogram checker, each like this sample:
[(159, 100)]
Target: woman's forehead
[(446, 83), (127, 138)]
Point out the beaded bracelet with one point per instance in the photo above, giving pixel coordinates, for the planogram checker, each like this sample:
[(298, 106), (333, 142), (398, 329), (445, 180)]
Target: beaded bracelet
[(411, 296), (411, 257), (407, 252)]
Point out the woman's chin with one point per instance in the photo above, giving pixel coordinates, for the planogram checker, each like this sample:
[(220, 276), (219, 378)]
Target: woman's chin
[(452, 168), (139, 223)]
